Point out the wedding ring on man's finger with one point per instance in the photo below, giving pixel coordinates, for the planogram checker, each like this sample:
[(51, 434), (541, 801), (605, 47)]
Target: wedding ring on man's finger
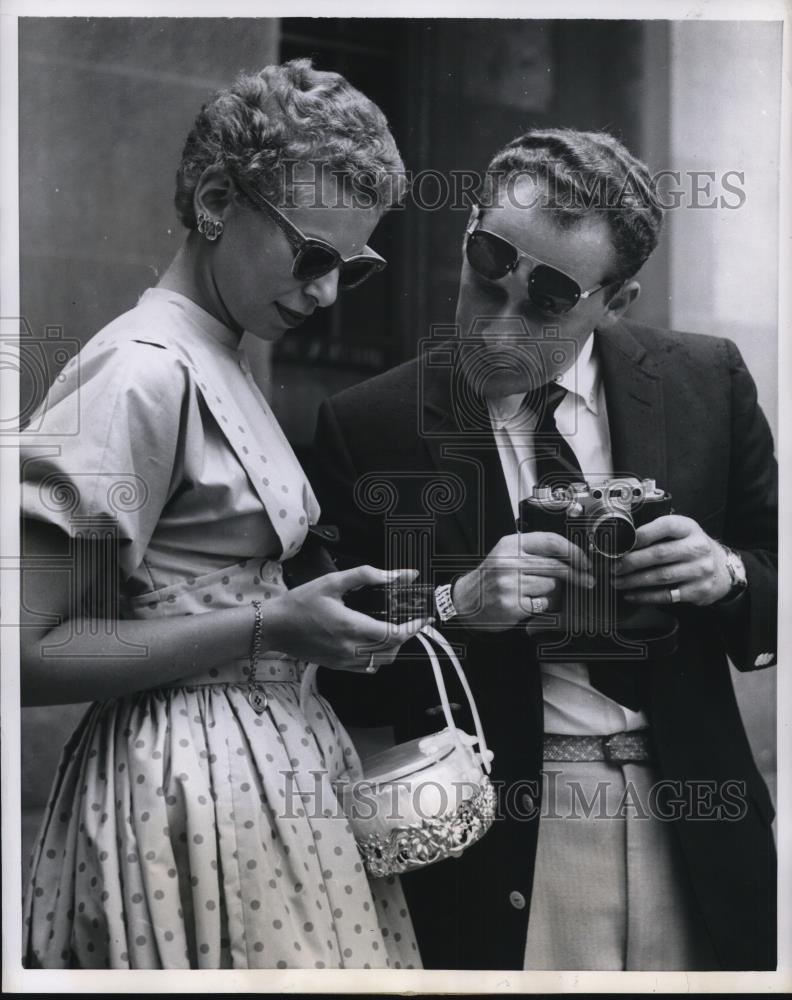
[(538, 605), (372, 668), (675, 595)]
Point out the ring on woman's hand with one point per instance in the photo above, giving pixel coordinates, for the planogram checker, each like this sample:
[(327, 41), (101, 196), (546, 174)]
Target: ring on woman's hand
[(538, 605), (372, 668), (675, 596)]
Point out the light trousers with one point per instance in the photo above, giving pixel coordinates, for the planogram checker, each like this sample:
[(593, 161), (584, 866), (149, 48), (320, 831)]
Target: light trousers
[(611, 891)]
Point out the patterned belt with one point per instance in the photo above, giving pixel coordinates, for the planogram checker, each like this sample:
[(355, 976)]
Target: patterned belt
[(618, 748)]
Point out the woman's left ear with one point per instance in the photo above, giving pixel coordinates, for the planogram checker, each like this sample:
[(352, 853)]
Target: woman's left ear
[(620, 303), (214, 194)]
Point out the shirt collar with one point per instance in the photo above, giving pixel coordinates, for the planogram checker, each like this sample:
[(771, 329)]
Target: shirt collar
[(582, 380)]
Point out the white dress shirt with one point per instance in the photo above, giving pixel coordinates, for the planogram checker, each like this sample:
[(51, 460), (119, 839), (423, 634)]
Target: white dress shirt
[(571, 705)]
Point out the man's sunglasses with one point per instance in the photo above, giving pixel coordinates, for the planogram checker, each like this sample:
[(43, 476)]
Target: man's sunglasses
[(552, 291), (314, 258)]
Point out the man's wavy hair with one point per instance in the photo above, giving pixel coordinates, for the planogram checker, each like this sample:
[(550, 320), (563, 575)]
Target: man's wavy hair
[(289, 116), (582, 174)]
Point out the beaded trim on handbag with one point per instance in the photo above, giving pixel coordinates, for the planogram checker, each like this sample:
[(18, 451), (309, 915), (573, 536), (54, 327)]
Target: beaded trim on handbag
[(410, 847)]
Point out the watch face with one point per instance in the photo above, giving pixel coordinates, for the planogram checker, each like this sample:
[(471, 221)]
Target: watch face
[(736, 569)]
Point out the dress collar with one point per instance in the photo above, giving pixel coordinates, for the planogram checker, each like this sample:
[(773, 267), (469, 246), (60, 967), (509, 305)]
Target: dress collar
[(218, 331)]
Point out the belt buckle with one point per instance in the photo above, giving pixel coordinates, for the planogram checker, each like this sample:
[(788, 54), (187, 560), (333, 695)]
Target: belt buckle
[(613, 748)]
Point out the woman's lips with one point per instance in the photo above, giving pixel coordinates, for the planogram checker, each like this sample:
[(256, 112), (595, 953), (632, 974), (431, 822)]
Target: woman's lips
[(290, 316)]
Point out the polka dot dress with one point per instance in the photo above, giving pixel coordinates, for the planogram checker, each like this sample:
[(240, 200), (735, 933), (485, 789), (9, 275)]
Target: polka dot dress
[(184, 830)]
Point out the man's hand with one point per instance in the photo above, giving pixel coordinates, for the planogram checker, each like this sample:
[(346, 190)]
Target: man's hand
[(503, 589), (673, 552)]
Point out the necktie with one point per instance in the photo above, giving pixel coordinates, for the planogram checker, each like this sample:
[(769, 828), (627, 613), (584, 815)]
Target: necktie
[(556, 462), (557, 465)]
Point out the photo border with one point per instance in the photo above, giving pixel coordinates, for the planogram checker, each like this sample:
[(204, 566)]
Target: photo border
[(360, 981)]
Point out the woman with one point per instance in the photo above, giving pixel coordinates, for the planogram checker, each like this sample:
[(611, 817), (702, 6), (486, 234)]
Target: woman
[(192, 822)]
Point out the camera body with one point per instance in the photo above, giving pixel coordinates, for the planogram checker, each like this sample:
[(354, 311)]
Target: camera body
[(385, 602), (393, 603), (601, 516)]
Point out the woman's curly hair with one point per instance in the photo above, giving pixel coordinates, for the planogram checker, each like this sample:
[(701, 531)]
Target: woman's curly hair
[(290, 115), (582, 174)]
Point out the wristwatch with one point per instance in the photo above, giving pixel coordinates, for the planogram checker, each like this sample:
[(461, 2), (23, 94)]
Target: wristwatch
[(737, 574), (444, 603)]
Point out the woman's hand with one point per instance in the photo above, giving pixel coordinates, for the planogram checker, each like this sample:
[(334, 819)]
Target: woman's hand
[(311, 622), (90, 659)]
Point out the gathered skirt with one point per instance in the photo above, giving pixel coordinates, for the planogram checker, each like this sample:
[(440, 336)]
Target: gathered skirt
[(186, 831)]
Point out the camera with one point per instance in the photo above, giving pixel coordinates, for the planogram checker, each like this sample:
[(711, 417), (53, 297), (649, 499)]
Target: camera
[(393, 603), (601, 516)]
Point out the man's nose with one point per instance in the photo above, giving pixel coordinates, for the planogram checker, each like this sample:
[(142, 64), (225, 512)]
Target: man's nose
[(324, 289), (518, 306)]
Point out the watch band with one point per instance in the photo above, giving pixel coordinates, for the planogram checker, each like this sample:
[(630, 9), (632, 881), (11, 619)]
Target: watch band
[(444, 603)]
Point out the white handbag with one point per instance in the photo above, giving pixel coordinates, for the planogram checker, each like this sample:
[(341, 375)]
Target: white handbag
[(424, 800)]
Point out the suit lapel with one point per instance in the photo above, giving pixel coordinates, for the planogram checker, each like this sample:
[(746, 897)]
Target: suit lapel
[(636, 418), (634, 400)]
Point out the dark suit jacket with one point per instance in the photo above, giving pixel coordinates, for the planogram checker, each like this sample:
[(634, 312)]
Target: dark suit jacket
[(410, 478)]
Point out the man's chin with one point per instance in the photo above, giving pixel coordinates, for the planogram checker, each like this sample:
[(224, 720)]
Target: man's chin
[(505, 384), (505, 371)]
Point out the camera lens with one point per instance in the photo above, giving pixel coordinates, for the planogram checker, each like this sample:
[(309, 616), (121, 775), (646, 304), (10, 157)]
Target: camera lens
[(612, 534)]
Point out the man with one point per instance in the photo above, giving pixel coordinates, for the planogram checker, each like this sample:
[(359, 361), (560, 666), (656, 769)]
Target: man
[(652, 848)]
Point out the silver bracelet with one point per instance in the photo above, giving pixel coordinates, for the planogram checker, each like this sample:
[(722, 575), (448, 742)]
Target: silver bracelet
[(257, 699)]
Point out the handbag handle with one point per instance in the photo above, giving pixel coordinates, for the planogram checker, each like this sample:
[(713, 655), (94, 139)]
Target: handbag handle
[(423, 637), (427, 633)]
